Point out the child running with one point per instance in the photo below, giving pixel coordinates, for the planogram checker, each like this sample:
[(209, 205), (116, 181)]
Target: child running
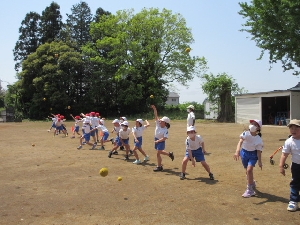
[(105, 134), (292, 146), (194, 149), (251, 144), (137, 133), (77, 119), (161, 135), (86, 135), (122, 140)]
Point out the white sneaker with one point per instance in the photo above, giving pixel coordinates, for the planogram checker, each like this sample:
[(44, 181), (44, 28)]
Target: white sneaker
[(292, 206), (146, 158), (248, 193), (137, 162)]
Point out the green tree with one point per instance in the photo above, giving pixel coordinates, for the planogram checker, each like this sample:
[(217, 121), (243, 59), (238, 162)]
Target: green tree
[(28, 40), (51, 23), (274, 26), (49, 80), (141, 53), (78, 23), (220, 90)]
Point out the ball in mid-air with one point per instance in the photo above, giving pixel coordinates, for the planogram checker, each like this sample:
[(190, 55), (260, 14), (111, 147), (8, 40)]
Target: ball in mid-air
[(103, 172), (119, 178), (187, 50), (69, 107), (44, 99), (151, 96)]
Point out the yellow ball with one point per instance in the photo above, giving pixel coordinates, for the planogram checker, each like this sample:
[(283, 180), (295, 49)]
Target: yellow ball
[(119, 178), (44, 99), (187, 50), (103, 172), (69, 107), (151, 96), (33, 145)]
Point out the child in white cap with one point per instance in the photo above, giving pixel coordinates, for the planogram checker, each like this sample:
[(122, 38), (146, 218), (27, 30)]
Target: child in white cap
[(292, 146), (191, 116), (161, 135), (123, 139), (194, 150), (87, 135), (137, 133), (249, 149)]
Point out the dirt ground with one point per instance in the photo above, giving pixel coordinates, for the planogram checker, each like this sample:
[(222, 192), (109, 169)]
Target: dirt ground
[(54, 183)]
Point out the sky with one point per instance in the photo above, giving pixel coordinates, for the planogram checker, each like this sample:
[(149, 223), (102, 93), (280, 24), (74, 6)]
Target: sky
[(215, 27)]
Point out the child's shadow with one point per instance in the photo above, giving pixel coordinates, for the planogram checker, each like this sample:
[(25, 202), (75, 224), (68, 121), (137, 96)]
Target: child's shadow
[(204, 179), (269, 198)]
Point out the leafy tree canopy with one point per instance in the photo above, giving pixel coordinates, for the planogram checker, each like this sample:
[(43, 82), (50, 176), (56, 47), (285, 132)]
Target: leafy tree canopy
[(274, 26)]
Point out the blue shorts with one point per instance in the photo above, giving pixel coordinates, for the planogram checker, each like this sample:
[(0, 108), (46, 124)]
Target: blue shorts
[(119, 143), (249, 158), (105, 136), (93, 133), (59, 128), (76, 129), (197, 154), (53, 125), (160, 145), (87, 137), (138, 144)]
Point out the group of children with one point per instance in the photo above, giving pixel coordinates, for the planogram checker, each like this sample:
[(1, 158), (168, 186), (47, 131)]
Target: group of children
[(249, 147)]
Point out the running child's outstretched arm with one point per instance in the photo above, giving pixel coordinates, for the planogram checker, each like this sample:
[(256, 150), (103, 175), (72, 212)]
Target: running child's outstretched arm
[(155, 112)]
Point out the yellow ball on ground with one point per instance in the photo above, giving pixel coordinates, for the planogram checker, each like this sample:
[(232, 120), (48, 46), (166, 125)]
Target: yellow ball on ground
[(103, 172), (151, 96), (119, 178), (187, 50), (33, 145)]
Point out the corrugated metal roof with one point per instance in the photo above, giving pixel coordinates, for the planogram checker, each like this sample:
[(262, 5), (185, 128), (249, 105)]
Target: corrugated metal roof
[(173, 95)]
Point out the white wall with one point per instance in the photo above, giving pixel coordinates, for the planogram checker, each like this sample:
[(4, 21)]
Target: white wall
[(247, 108), (210, 110), (295, 105)]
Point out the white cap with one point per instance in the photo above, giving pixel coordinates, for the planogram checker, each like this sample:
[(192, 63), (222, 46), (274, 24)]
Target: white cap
[(190, 107), (257, 121), (124, 118), (116, 121), (140, 121), (125, 123), (165, 119), (190, 128), (102, 121)]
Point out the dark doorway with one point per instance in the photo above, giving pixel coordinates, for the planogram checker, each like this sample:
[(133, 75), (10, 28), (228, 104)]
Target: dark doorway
[(275, 110)]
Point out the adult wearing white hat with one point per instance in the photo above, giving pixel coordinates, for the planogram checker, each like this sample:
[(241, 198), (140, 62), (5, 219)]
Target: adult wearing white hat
[(191, 116), (161, 135)]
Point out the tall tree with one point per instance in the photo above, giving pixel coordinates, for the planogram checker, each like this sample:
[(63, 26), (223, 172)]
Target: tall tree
[(28, 40), (51, 23), (274, 26), (78, 23), (142, 53), (220, 90)]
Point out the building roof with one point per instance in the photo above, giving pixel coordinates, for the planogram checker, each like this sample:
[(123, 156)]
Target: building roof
[(173, 95), (296, 88)]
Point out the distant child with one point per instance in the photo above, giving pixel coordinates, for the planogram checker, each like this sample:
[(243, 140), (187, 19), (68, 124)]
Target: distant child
[(251, 144), (105, 134), (86, 135), (64, 127), (292, 146), (122, 140), (54, 119), (160, 137), (77, 119), (122, 119), (194, 145), (191, 116), (137, 133)]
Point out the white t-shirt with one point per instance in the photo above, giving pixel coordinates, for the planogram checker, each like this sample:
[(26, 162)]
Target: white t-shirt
[(117, 129), (77, 122), (138, 131), (194, 145), (160, 132), (251, 143), (292, 146), (94, 121), (102, 127), (190, 119), (124, 134)]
